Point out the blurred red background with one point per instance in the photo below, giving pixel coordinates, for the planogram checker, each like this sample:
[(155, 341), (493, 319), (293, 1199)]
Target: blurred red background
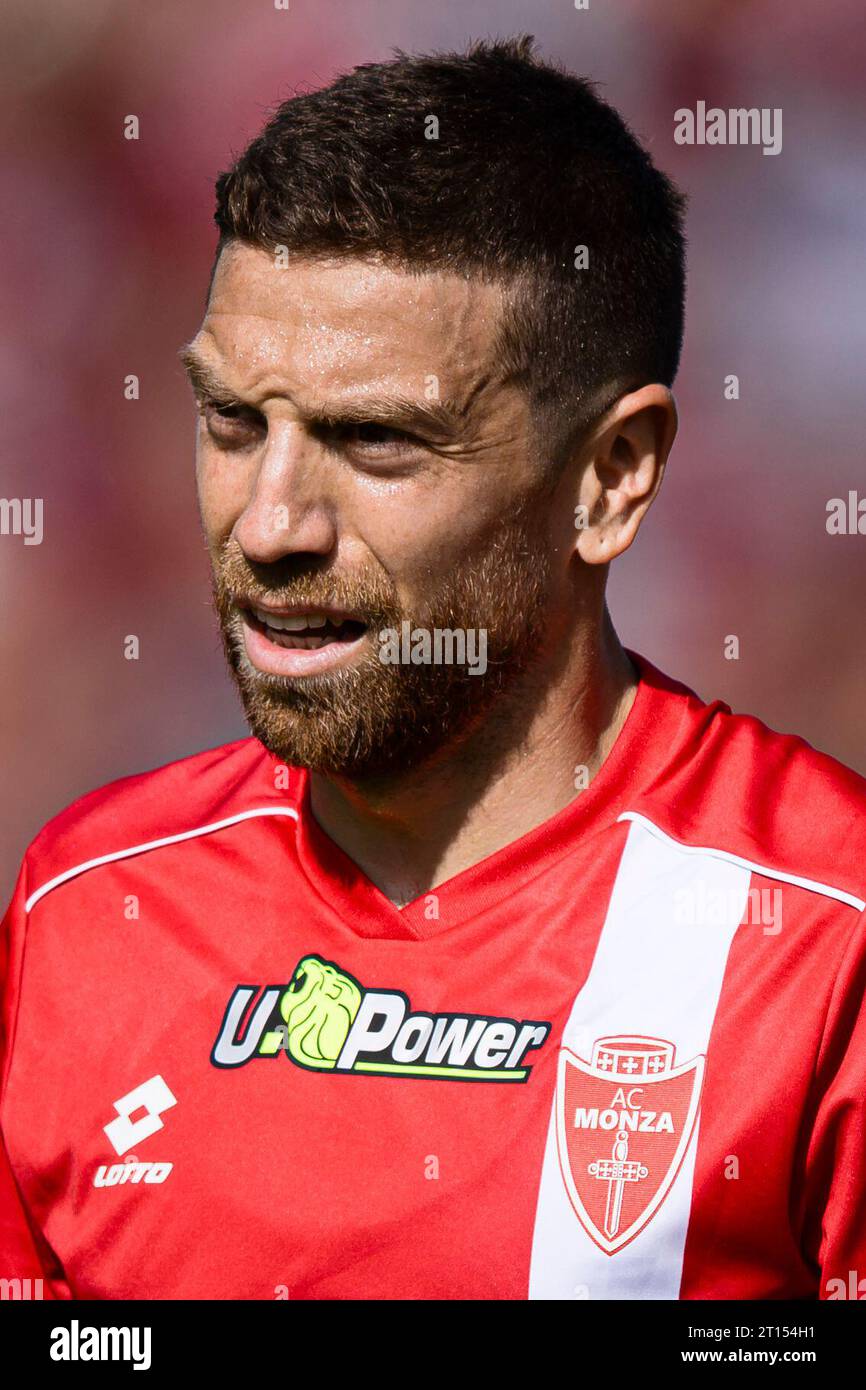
[(105, 271)]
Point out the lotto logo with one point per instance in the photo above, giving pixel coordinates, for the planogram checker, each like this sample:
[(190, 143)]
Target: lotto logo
[(154, 1098)]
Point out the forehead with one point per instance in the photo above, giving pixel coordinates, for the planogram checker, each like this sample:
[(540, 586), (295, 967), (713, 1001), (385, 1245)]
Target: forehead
[(345, 322)]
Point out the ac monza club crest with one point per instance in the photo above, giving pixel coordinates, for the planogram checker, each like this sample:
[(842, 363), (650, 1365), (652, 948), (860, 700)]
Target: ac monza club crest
[(624, 1120)]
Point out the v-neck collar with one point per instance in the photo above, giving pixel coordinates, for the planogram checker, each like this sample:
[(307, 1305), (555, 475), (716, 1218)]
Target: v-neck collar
[(645, 737)]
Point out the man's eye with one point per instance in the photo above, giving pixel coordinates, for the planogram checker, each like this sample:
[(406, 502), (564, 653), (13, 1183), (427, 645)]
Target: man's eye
[(372, 435), (228, 422)]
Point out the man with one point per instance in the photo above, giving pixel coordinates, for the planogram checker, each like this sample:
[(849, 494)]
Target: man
[(496, 964)]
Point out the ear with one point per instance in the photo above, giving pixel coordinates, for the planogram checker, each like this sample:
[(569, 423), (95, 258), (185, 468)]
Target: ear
[(620, 472)]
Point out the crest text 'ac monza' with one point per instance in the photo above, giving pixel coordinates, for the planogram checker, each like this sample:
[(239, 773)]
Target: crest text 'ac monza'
[(624, 1120)]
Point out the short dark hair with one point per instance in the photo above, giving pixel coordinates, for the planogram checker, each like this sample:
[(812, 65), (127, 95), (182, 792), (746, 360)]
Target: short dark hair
[(530, 163)]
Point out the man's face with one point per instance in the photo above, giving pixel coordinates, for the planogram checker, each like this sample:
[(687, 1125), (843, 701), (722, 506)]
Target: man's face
[(365, 466)]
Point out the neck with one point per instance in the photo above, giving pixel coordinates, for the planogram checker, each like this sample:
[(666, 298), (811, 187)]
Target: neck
[(413, 831)]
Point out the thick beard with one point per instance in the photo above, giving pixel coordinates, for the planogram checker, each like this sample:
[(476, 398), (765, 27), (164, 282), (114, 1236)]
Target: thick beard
[(373, 718)]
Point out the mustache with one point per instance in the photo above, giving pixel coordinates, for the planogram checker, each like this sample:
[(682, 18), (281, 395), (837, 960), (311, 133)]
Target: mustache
[(235, 584)]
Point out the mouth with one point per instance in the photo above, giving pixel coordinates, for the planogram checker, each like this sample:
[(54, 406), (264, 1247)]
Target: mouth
[(300, 641)]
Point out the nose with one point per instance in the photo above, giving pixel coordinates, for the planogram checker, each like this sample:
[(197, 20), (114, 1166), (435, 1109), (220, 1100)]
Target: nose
[(290, 510)]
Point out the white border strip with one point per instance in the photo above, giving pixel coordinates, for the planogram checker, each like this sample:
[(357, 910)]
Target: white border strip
[(839, 894), (155, 844)]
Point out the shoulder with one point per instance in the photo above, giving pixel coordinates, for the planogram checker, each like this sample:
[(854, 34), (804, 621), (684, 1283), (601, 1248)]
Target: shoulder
[(735, 785), (178, 800)]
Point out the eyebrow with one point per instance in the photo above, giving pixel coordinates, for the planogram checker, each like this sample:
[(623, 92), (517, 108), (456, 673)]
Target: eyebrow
[(201, 375), (398, 411)]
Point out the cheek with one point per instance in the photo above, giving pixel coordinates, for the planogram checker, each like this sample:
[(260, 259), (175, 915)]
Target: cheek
[(223, 492), (419, 536)]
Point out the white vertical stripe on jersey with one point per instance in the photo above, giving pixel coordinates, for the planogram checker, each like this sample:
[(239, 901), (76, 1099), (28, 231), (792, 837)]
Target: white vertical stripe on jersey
[(653, 975)]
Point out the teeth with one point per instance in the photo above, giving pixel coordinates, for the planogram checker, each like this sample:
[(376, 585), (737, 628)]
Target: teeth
[(295, 624)]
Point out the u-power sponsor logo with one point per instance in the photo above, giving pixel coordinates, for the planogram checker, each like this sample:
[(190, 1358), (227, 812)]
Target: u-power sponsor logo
[(324, 1020)]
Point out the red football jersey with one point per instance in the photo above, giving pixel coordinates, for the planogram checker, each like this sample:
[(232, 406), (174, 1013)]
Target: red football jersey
[(623, 1057)]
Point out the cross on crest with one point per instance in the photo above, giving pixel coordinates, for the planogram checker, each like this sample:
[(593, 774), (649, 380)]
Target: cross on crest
[(616, 1171)]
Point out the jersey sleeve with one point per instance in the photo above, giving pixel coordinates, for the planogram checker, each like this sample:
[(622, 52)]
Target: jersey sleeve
[(24, 1253), (835, 1188)]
